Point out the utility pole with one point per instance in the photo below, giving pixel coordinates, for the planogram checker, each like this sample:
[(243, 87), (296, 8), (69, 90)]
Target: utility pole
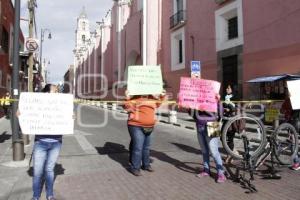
[(31, 7), (17, 142), (41, 50)]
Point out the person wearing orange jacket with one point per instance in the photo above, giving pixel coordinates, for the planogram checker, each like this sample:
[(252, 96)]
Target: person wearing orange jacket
[(141, 121)]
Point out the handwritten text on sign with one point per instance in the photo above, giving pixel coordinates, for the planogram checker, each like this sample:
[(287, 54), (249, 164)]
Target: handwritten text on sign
[(199, 94), (46, 113), (143, 80)]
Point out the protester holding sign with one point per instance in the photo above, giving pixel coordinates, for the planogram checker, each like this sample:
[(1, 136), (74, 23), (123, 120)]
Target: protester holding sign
[(141, 121), (202, 96), (210, 143), (45, 153)]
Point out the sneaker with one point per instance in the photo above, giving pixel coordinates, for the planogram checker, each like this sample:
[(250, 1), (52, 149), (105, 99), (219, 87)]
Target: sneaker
[(136, 172), (51, 198), (221, 178), (295, 166), (149, 168), (202, 174)]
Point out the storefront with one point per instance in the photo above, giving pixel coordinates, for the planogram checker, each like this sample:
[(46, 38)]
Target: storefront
[(272, 89)]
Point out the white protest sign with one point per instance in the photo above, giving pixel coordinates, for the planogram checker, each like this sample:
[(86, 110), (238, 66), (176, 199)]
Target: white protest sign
[(293, 87), (46, 113), (143, 80)]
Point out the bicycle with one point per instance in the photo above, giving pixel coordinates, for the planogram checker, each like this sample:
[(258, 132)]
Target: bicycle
[(253, 146)]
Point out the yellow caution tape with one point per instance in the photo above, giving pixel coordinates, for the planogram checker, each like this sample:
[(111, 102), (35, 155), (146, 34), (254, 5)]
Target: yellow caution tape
[(82, 101)]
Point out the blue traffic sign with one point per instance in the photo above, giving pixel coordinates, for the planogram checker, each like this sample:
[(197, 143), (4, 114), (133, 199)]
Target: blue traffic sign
[(195, 68)]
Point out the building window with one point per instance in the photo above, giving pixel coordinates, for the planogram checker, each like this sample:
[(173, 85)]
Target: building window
[(10, 49), (140, 5), (229, 26), (179, 14), (5, 40), (178, 5), (178, 50), (8, 82), (230, 72), (0, 78), (232, 28), (83, 26)]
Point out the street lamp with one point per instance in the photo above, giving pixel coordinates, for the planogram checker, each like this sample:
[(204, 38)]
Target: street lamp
[(43, 31)]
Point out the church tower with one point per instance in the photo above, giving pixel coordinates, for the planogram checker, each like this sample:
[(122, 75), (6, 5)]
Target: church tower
[(82, 35)]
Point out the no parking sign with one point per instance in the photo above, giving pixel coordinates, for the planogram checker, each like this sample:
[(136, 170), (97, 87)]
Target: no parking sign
[(31, 44)]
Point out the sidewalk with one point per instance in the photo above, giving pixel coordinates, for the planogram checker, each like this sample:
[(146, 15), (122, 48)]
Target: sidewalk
[(11, 173)]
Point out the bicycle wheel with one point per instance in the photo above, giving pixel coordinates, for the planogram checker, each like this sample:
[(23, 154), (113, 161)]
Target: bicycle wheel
[(286, 147), (244, 125)]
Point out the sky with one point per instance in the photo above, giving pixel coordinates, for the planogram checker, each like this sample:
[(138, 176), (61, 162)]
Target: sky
[(60, 16)]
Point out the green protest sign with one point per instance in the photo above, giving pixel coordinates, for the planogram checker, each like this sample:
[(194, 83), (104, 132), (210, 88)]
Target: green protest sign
[(143, 80)]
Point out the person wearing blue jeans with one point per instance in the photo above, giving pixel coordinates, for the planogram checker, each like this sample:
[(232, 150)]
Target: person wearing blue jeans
[(141, 121), (209, 144), (45, 154), (140, 153)]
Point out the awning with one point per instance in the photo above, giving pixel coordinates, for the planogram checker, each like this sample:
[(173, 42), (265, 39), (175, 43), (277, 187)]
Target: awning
[(274, 78)]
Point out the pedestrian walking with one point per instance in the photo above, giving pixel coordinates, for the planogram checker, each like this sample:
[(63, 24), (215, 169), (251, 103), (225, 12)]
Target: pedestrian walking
[(6, 105), (141, 121), (209, 144), (45, 153)]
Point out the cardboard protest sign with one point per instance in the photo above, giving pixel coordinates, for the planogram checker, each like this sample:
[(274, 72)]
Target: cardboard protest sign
[(199, 94), (293, 87), (46, 113), (143, 80)]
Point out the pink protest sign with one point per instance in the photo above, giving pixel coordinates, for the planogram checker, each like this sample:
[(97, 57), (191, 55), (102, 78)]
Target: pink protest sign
[(199, 94)]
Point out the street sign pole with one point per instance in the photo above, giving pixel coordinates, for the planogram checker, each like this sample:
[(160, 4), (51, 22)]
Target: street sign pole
[(17, 142)]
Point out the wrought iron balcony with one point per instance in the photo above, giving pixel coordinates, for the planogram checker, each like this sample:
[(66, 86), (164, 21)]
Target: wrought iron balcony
[(178, 19)]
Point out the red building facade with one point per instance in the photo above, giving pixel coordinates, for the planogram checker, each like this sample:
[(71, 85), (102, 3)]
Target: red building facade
[(235, 40), (6, 49)]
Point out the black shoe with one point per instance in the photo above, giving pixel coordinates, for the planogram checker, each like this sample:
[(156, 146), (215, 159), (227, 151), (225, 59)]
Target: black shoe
[(136, 172), (148, 168)]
